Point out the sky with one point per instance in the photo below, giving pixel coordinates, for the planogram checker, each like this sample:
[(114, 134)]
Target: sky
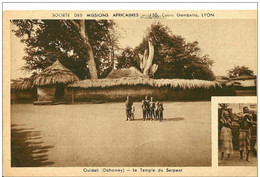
[(228, 42)]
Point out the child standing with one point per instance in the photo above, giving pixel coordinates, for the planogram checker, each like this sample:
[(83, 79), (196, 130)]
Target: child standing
[(144, 110), (157, 110), (161, 109)]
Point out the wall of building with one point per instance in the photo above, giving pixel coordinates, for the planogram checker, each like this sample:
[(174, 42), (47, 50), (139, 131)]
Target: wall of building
[(246, 83), (137, 93), (21, 96), (46, 93)]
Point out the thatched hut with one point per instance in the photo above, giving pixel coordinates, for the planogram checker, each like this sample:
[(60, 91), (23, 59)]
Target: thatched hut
[(22, 90), (131, 72), (52, 82), (121, 83)]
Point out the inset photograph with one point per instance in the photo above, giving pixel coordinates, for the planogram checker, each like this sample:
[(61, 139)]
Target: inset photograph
[(237, 134)]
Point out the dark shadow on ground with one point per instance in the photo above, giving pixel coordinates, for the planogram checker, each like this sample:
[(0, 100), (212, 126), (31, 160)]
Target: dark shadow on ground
[(174, 119), (165, 119), (27, 148), (15, 125)]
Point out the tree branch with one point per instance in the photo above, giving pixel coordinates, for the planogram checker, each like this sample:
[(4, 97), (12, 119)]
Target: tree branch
[(75, 24), (36, 22)]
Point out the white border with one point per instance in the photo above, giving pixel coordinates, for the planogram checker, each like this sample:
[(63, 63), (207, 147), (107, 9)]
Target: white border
[(142, 5)]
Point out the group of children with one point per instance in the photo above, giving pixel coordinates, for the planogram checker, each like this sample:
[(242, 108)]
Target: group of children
[(151, 110)]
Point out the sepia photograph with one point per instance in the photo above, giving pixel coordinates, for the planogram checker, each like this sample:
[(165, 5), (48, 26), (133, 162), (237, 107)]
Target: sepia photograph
[(237, 125), (130, 93)]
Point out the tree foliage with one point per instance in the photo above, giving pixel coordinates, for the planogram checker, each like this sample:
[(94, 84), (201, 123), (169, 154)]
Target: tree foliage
[(126, 59), (175, 57), (49, 40), (240, 71)]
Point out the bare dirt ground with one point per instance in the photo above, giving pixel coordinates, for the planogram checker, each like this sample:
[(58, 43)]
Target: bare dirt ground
[(85, 135)]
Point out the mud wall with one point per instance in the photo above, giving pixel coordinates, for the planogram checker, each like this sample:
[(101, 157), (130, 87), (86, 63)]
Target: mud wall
[(46, 93), (137, 93), (23, 96)]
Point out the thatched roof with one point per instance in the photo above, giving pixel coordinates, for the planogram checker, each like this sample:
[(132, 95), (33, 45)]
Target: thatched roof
[(22, 84), (56, 73), (131, 72), (173, 83), (243, 77)]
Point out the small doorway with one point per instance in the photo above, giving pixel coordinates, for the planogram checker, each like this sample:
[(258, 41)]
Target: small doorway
[(59, 93)]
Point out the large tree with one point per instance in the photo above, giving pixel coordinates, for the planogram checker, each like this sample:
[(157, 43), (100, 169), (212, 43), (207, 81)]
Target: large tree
[(240, 71), (172, 56), (126, 59), (83, 46)]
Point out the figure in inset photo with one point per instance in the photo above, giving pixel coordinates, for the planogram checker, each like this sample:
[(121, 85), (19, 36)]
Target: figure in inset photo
[(237, 134)]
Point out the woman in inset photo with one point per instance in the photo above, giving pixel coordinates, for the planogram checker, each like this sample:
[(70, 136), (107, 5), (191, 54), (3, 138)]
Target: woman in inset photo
[(226, 135)]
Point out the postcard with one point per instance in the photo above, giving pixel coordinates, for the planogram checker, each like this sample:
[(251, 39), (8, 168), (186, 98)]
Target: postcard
[(130, 93)]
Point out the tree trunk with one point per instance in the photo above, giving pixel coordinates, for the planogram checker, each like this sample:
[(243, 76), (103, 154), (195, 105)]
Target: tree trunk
[(91, 62), (149, 60), (143, 59), (112, 58)]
